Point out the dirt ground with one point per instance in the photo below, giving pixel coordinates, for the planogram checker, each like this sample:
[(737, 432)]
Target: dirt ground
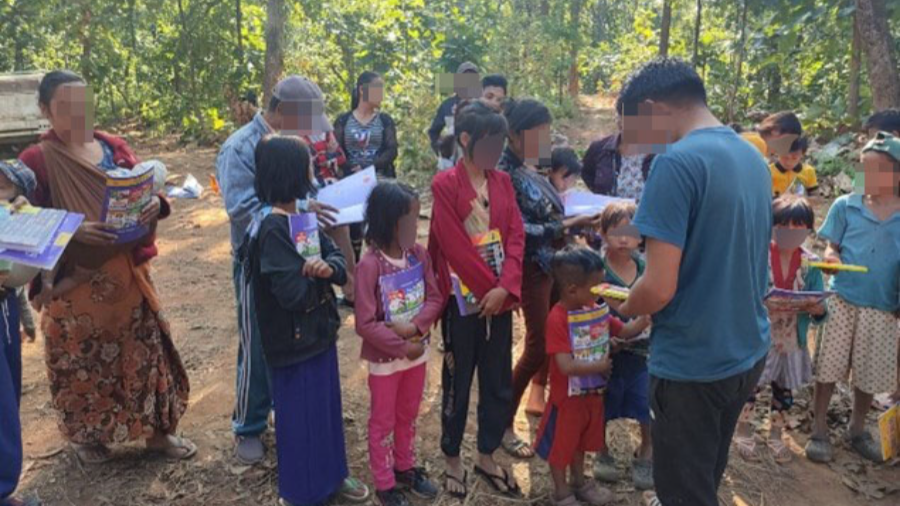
[(193, 274)]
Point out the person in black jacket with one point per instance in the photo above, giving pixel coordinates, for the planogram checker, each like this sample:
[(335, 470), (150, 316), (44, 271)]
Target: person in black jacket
[(298, 322), (447, 109), (367, 135)]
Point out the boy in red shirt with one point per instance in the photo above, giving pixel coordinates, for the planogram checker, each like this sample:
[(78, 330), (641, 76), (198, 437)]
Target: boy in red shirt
[(574, 424)]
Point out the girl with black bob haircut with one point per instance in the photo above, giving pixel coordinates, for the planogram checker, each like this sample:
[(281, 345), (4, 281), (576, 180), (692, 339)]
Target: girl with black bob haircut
[(279, 162), (474, 202), (391, 201), (546, 226), (565, 168), (298, 323)]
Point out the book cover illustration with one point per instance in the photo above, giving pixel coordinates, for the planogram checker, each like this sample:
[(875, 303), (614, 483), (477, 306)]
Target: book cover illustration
[(403, 293), (589, 336), (490, 248), (305, 232), (127, 194), (794, 301)]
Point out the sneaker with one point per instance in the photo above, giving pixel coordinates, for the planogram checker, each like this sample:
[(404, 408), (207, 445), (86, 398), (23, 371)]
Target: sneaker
[(642, 474), (819, 450), (355, 491), (416, 481), (865, 446), (593, 495), (605, 469), (249, 450), (392, 497)]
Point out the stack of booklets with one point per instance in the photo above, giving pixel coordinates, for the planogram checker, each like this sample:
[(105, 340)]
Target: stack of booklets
[(889, 428), (35, 236), (790, 300)]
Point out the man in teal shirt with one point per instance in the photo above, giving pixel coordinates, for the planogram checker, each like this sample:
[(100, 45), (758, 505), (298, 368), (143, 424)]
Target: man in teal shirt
[(707, 216)]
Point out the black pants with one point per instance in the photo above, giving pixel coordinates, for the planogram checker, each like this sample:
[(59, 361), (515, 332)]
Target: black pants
[(472, 343), (692, 425)]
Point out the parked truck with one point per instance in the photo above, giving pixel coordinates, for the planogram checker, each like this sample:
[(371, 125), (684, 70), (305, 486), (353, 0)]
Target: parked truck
[(21, 122)]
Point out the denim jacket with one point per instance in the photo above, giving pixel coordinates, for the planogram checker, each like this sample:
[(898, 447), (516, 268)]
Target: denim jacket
[(541, 207), (235, 172)]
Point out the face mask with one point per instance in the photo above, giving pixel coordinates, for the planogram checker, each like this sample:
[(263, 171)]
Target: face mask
[(790, 238)]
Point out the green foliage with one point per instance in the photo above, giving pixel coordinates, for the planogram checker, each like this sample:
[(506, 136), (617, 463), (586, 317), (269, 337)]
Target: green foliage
[(176, 65)]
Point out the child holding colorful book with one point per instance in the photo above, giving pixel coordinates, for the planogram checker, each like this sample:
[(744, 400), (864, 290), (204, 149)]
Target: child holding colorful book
[(397, 302), (578, 340), (861, 333), (298, 323), (629, 385), (788, 365)]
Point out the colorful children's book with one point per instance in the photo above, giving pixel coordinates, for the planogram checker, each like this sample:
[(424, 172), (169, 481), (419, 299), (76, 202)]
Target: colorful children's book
[(305, 231), (403, 293), (127, 194), (490, 247), (889, 427), (589, 335), (793, 301)]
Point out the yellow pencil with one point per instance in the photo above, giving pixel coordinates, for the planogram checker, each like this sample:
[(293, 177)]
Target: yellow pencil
[(839, 267)]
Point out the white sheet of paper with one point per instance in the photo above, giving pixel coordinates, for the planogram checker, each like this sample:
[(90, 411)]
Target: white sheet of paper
[(579, 202), (349, 196)]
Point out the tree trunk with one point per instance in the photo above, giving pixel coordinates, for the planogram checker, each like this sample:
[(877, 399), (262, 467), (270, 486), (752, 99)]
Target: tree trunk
[(187, 45), (664, 29), (238, 23), (881, 62), (738, 61), (853, 88), (85, 36), (274, 66), (575, 24), (697, 22)]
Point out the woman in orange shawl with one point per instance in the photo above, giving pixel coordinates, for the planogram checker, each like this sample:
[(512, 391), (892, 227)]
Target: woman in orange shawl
[(115, 375)]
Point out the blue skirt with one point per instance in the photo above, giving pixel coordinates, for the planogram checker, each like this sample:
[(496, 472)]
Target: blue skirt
[(309, 429)]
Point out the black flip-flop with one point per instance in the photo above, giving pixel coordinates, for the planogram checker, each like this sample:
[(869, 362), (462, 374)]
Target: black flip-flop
[(512, 489), (462, 483)]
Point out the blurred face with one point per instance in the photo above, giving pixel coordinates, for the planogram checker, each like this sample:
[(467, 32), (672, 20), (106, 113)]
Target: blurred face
[(407, 227), (880, 173), (373, 92), (299, 118), (71, 113), (623, 237), (533, 146), (778, 142), (561, 181), (493, 94), (651, 129), (487, 150), (582, 294), (8, 191), (789, 237), (790, 160), (467, 85)]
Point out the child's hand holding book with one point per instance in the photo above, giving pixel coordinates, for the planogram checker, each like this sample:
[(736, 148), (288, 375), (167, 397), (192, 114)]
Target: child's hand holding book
[(406, 330), (317, 268)]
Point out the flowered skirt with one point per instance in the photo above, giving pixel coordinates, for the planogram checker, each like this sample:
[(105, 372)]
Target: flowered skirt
[(115, 375)]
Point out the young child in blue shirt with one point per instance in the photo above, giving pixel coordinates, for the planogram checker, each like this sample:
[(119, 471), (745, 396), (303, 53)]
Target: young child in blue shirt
[(861, 333)]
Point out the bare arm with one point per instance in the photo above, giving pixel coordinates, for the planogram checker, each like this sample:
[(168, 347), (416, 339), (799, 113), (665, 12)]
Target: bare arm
[(656, 288), (571, 367)]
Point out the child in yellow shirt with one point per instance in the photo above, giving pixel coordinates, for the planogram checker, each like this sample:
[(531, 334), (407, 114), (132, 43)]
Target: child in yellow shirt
[(791, 175)]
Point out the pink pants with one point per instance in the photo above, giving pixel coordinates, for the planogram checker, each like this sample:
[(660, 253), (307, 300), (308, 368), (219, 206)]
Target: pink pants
[(395, 406)]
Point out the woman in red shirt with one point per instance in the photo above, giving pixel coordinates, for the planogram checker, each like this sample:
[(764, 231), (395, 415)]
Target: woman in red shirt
[(473, 202)]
